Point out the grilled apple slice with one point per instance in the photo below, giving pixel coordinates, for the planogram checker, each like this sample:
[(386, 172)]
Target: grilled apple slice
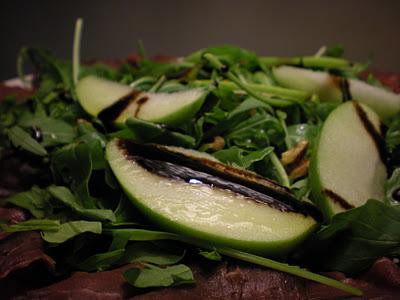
[(348, 167), (333, 88), (115, 102), (203, 206)]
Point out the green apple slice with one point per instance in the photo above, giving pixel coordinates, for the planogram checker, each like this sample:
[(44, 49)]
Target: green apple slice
[(183, 200), (320, 83), (115, 102), (385, 103), (347, 167), (333, 88), (166, 108), (207, 163), (95, 93)]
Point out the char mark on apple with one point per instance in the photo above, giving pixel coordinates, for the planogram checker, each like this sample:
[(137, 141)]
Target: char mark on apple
[(370, 128), (176, 167), (109, 114), (140, 101), (337, 199), (343, 85)]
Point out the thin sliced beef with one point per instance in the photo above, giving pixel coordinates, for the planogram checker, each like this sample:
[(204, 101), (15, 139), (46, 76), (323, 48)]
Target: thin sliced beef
[(20, 250), (382, 281), (107, 285), (233, 282)]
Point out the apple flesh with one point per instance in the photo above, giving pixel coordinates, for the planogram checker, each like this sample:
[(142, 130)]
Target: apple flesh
[(202, 206), (115, 102), (347, 168), (334, 88)]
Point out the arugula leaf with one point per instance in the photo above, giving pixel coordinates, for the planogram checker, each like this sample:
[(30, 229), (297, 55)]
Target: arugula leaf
[(248, 104), (34, 224), (152, 276), (334, 51), (101, 261), (242, 158), (211, 255), (229, 55), (48, 66), (355, 238), (143, 234), (97, 141), (36, 201), (150, 253), (20, 138), (393, 185), (73, 163), (53, 132), (65, 196), (69, 230), (392, 140), (150, 132)]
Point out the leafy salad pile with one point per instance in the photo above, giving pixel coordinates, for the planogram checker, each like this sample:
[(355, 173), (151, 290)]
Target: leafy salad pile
[(248, 121)]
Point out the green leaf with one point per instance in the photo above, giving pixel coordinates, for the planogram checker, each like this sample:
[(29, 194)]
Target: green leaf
[(294, 270), (43, 224), (73, 163), (211, 255), (65, 196), (156, 133), (392, 140), (392, 185), (229, 55), (53, 132), (152, 276), (97, 141), (144, 234), (36, 201), (240, 157), (20, 138), (69, 230), (248, 104), (256, 132), (101, 261), (356, 238), (150, 253)]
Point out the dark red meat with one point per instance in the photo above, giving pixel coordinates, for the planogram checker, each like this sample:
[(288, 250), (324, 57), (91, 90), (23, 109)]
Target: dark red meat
[(20, 250)]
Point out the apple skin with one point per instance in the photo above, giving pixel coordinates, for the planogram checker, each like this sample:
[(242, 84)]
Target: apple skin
[(174, 119), (273, 248), (320, 200), (97, 94), (329, 88)]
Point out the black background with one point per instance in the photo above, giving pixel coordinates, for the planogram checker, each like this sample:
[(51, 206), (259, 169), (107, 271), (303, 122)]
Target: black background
[(367, 29)]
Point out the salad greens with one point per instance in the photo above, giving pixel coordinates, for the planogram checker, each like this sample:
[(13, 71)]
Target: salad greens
[(247, 121)]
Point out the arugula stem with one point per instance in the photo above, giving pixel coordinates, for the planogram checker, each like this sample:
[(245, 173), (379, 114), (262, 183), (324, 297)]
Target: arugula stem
[(268, 100), (76, 50), (294, 270), (275, 265), (281, 116), (261, 88), (214, 61), (158, 84), (307, 61), (283, 177), (145, 79)]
